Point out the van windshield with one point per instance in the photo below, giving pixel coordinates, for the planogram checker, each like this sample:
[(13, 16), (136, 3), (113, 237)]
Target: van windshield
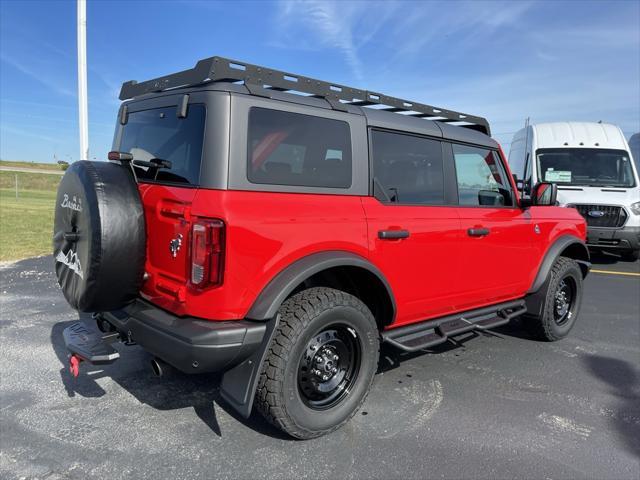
[(594, 167), (159, 134)]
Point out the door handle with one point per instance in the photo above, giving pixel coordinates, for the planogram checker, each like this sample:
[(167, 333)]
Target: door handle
[(393, 234), (478, 232)]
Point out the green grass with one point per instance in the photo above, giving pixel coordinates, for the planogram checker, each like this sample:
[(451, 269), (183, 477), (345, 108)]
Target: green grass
[(26, 222), (43, 166)]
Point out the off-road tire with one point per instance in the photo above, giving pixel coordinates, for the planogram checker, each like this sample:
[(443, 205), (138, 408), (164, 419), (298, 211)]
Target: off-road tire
[(301, 317), (544, 326)]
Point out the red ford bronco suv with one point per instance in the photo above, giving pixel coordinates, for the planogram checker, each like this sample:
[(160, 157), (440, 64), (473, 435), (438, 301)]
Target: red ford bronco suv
[(278, 228)]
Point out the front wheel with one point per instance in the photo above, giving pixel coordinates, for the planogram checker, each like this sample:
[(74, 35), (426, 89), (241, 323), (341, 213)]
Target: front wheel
[(631, 255), (562, 302), (320, 364)]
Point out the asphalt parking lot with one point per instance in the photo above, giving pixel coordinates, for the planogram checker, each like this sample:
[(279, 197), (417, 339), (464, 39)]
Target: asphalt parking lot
[(497, 406)]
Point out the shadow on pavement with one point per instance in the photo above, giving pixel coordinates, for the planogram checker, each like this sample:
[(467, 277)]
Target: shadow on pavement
[(174, 390), (599, 257), (391, 357), (623, 380), (516, 328)]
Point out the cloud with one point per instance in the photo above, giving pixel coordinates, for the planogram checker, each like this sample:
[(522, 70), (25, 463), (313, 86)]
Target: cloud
[(40, 77), (24, 133), (458, 26), (343, 26), (509, 98), (400, 31), (329, 29), (588, 36)]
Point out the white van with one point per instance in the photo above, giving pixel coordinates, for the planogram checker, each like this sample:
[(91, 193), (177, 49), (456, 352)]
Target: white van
[(595, 173)]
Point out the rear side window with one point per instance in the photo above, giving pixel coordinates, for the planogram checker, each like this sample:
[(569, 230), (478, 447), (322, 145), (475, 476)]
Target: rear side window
[(293, 149), (481, 179), (407, 169), (159, 133)]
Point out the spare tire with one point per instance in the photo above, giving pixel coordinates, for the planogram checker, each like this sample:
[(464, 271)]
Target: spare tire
[(99, 236)]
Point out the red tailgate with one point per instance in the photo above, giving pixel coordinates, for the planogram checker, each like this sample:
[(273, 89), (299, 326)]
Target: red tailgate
[(167, 217)]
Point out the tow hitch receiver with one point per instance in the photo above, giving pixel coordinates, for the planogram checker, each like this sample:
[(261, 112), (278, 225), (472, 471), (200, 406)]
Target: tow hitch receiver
[(88, 345)]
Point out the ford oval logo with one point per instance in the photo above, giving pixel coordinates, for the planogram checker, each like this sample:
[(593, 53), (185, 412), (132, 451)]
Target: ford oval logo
[(596, 213)]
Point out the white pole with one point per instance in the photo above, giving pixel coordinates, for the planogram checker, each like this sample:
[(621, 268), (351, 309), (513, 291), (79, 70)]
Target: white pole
[(83, 113)]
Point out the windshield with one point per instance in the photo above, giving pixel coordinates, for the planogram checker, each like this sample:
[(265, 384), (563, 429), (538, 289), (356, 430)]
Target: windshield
[(159, 134), (595, 167)]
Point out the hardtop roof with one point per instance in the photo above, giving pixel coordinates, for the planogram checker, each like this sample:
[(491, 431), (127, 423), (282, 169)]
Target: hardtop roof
[(376, 118)]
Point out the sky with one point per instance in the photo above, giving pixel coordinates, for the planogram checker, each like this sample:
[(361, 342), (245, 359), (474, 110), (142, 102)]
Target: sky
[(549, 61)]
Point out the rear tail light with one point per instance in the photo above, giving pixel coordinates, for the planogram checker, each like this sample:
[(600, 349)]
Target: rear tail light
[(207, 253)]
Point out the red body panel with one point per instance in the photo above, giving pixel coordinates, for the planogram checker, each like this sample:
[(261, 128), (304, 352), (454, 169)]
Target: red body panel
[(554, 222), (496, 266), (424, 269), (167, 213), (265, 232), (439, 269)]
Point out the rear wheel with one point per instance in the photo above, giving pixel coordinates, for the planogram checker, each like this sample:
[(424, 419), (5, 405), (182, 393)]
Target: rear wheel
[(562, 302), (321, 363)]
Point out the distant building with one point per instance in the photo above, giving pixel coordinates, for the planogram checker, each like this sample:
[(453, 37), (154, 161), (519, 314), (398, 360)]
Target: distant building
[(634, 145)]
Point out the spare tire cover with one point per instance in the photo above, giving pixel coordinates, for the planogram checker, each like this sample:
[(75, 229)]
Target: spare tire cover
[(99, 236)]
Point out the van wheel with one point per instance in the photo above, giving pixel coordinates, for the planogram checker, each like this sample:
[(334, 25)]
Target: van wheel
[(562, 302), (320, 364), (631, 255)]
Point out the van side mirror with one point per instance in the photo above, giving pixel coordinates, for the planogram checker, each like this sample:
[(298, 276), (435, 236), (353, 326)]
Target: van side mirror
[(545, 194)]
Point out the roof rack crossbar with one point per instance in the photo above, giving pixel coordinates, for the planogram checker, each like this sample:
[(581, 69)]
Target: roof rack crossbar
[(219, 69)]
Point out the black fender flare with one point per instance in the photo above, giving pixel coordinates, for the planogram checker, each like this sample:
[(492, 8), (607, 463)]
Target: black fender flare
[(280, 287), (556, 249), (535, 298)]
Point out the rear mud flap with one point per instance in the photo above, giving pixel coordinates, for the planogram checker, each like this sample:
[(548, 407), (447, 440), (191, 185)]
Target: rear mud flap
[(239, 384)]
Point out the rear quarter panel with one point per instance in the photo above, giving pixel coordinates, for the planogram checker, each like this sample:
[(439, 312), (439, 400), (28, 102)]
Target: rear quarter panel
[(267, 231)]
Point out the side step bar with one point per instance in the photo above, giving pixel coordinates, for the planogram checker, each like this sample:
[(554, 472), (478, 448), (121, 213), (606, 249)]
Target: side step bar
[(418, 336)]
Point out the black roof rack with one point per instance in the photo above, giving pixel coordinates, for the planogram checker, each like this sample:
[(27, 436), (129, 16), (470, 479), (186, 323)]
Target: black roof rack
[(261, 80)]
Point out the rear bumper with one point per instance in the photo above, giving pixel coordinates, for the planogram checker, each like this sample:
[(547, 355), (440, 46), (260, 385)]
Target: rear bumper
[(626, 238), (189, 344)]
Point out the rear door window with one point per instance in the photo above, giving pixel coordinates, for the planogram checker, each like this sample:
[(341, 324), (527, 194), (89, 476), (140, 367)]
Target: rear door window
[(407, 169), (481, 178), (159, 134), (294, 149)]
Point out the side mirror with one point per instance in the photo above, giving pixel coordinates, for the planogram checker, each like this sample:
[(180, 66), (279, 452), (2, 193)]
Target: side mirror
[(545, 194)]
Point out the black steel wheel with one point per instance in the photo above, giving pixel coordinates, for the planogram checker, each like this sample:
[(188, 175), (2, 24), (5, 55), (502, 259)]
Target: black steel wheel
[(320, 364), (564, 298), (329, 366)]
